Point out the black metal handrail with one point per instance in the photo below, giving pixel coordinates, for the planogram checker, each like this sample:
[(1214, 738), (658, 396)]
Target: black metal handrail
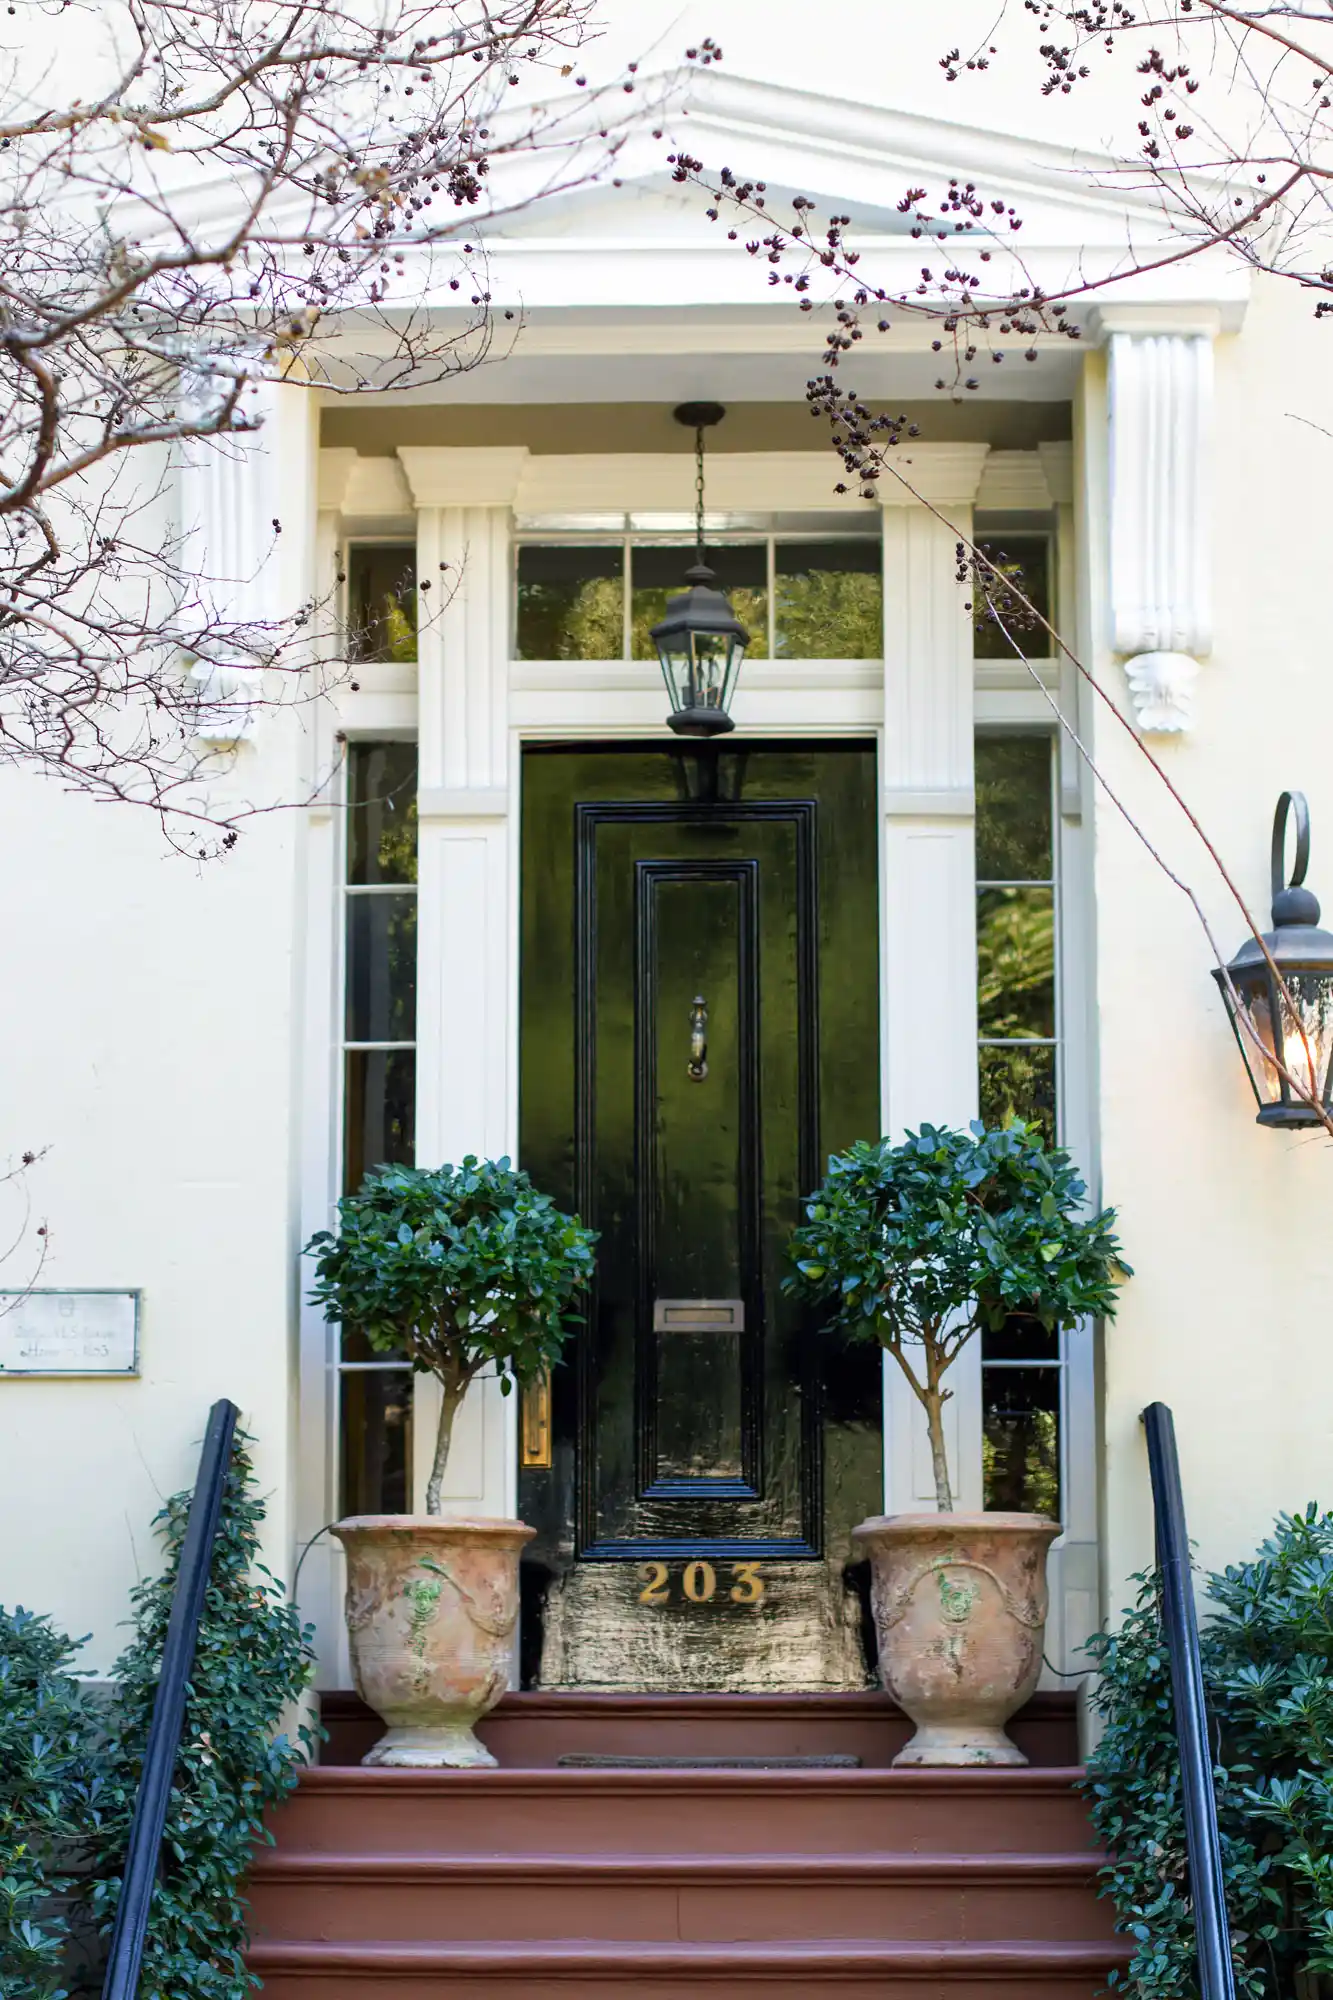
[(1203, 1844), (164, 1732)]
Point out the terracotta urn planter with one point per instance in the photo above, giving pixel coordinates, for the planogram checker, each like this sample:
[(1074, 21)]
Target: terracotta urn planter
[(432, 1605), (960, 1613)]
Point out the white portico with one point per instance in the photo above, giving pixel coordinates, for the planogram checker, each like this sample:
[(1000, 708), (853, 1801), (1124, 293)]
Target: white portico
[(1102, 450)]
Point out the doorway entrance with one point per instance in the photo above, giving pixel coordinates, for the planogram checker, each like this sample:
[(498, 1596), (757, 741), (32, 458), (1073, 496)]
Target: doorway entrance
[(699, 1024)]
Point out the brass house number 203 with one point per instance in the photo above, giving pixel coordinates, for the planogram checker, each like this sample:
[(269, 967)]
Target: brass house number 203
[(699, 1583)]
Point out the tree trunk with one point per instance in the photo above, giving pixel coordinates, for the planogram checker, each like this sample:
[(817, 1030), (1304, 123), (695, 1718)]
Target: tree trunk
[(451, 1395), (934, 1407), (932, 1400)]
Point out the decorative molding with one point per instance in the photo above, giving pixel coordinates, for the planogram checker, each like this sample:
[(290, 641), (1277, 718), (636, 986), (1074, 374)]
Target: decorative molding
[(224, 711), (376, 490), (1184, 317), (942, 802), (1161, 687), (463, 475), (366, 489), (336, 465), (1014, 480), (562, 677), (663, 482), (946, 474), (458, 802), (1057, 462), (227, 492), (1161, 412)]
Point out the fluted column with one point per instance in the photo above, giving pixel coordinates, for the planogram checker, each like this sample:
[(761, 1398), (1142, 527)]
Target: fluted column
[(929, 979), (465, 976), (1161, 433)]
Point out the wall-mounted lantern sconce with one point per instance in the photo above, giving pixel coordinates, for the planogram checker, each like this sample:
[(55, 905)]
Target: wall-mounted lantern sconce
[(700, 641), (1300, 1033)]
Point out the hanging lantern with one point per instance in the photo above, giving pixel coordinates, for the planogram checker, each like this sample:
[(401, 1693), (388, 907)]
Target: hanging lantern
[(1292, 1029), (700, 641)]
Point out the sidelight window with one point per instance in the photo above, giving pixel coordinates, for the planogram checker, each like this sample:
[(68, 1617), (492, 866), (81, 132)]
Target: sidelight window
[(805, 587), (1022, 1364), (379, 1090)]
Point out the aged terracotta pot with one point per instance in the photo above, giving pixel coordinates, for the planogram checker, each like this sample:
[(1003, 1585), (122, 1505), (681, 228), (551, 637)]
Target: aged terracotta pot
[(432, 1604), (960, 1612)]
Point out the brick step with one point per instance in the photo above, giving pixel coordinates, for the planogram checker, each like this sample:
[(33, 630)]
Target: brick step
[(858, 1969), (533, 1731), (698, 1898), (352, 1810)]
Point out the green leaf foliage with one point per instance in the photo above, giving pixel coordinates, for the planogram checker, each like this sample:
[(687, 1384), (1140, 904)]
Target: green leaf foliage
[(70, 1768), (48, 1802), (918, 1245), (454, 1268), (947, 1232), (252, 1662), (1267, 1652)]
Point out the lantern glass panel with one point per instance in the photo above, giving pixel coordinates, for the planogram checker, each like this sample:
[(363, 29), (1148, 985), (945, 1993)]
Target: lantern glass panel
[(701, 670), (1304, 1043)]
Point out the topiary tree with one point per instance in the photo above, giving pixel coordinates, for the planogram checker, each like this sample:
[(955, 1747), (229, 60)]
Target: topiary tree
[(919, 1245), (456, 1268)]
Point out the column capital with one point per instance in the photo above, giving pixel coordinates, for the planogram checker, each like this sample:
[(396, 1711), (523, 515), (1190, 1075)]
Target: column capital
[(1184, 317), (948, 475), (463, 475)]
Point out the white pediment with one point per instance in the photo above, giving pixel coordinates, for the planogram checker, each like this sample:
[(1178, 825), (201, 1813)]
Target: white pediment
[(1080, 212)]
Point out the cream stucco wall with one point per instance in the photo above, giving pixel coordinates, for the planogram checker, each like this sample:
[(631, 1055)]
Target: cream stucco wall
[(148, 1023), (1226, 1224)]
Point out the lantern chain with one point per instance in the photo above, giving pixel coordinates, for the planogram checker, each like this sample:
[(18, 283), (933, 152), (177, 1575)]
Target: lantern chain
[(699, 490)]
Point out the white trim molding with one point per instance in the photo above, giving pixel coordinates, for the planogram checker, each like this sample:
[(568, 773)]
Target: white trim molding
[(421, 477), (1161, 426)]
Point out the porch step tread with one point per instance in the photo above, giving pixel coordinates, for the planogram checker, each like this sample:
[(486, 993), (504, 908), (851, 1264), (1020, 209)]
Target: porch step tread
[(836, 1703), (316, 1865), (943, 1959), (1028, 1781), (537, 1730)]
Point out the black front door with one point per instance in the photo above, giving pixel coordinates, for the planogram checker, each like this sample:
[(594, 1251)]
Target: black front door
[(699, 1029)]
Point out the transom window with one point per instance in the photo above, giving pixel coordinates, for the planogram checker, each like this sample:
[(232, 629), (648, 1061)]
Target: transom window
[(805, 591), (1026, 555)]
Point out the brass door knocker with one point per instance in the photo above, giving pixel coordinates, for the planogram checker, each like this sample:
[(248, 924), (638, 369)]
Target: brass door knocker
[(697, 1066)]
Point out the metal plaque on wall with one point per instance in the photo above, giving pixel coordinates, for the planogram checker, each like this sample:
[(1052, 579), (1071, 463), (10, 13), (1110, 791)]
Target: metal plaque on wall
[(69, 1333)]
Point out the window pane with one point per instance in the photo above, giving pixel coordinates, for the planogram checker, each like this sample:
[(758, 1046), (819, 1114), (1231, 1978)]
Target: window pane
[(382, 602), (382, 813), (382, 967), (1016, 962), (658, 572), (571, 603), (1027, 559), (830, 600), (1021, 1338), (1020, 1440), (1013, 778), (376, 1441), (1017, 1080), (379, 1111)]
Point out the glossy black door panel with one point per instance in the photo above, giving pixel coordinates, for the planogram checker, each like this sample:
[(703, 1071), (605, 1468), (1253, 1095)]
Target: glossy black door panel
[(699, 1025)]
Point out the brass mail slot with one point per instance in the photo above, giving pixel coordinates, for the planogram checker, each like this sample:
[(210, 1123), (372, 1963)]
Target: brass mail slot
[(698, 1315)]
